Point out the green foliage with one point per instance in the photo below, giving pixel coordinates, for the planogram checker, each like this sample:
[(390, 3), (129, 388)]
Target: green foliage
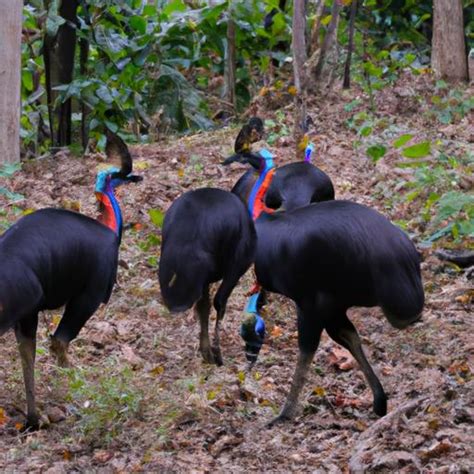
[(104, 401), (7, 171), (157, 217), (376, 152), (446, 210), (419, 150), (276, 129), (450, 106), (33, 111)]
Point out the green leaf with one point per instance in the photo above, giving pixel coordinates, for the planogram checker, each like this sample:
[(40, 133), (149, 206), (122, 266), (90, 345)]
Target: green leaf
[(376, 152), (365, 131), (27, 80), (326, 20), (103, 93), (419, 150), (373, 70), (174, 6), (9, 169), (156, 217), (138, 23), (400, 141), (10, 195), (412, 196)]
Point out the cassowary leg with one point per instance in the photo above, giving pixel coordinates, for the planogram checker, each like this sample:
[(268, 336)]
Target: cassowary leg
[(202, 310), (25, 332), (76, 314), (59, 349), (220, 303), (309, 334), (342, 331)]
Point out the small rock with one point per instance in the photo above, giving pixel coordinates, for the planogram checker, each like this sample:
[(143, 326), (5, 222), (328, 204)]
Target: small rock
[(103, 332), (133, 359), (55, 415)]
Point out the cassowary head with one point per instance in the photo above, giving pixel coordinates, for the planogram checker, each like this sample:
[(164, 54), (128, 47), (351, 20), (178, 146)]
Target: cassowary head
[(252, 331), (109, 179), (257, 129), (261, 161)]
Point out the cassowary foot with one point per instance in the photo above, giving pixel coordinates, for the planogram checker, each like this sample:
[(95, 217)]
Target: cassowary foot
[(380, 406), (216, 351), (59, 349), (207, 355)]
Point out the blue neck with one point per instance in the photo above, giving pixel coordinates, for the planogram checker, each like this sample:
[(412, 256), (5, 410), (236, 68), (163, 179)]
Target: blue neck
[(266, 166), (117, 213)]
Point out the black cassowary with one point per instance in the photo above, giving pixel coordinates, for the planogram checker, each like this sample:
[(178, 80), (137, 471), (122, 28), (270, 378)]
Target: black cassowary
[(207, 236), (331, 256), (55, 257)]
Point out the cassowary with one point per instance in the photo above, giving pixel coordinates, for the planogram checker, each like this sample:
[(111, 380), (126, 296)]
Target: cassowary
[(55, 257), (207, 236), (293, 185), (331, 256)]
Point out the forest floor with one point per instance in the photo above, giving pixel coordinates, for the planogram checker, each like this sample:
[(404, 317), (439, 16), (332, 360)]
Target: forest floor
[(141, 399)]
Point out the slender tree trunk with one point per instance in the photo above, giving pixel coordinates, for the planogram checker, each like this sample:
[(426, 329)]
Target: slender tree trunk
[(59, 52), (314, 41), (347, 68), (448, 57), (230, 61), (299, 70), (10, 78), (84, 55), (328, 39)]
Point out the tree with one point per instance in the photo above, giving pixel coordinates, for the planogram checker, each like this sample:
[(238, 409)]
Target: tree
[(329, 39), (448, 58), (299, 69), (10, 76), (59, 51), (230, 59), (350, 46)]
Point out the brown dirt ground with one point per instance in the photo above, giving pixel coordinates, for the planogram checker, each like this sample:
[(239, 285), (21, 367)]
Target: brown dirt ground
[(199, 418)]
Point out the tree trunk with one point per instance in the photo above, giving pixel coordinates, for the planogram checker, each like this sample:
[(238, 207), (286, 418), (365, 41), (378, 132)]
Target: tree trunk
[(230, 61), (10, 78), (350, 46), (299, 70), (448, 57), (59, 52), (314, 41), (328, 39)]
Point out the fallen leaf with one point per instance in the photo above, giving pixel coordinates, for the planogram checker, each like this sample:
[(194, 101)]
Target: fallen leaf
[(319, 391), (158, 370), (3, 417), (341, 358), (277, 331), (436, 450), (292, 90)]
